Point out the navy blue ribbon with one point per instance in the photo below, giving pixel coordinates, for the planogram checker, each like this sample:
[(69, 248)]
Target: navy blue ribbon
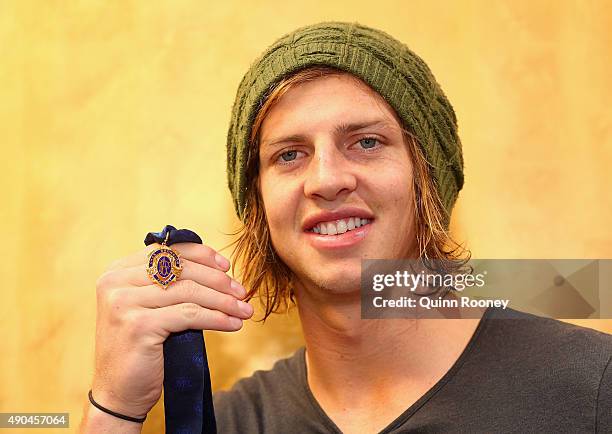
[(187, 390)]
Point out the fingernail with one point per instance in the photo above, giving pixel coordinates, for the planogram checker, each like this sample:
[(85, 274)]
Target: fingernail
[(246, 308), (235, 322), (221, 261), (239, 290)]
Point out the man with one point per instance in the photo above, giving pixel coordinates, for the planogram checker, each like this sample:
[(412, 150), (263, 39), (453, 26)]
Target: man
[(343, 147)]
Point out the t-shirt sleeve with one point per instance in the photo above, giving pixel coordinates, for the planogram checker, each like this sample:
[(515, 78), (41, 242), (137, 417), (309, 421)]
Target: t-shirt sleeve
[(604, 400)]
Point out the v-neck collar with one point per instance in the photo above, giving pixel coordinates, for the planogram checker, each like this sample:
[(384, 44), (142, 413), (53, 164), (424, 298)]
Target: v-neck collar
[(410, 411)]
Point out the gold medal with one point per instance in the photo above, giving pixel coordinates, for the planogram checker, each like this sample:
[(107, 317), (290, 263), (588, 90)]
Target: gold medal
[(164, 265)]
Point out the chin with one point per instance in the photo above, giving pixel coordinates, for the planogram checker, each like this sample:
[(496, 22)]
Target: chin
[(337, 276), (342, 282)]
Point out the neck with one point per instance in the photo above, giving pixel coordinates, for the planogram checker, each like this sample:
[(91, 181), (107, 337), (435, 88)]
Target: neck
[(347, 355)]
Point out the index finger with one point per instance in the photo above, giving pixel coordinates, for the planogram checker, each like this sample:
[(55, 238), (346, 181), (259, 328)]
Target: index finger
[(200, 253)]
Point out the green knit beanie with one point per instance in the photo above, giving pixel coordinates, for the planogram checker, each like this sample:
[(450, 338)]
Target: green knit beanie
[(388, 66)]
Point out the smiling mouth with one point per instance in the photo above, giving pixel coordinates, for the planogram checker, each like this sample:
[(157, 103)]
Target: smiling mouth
[(338, 227)]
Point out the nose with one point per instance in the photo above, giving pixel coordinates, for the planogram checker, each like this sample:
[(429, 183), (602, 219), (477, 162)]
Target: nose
[(329, 174)]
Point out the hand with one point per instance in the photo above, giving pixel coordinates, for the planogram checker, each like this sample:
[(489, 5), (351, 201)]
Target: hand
[(134, 318)]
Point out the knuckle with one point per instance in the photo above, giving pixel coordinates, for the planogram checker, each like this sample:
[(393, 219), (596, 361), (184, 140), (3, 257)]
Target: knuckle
[(204, 254), (220, 280), (190, 310), (104, 281), (190, 293), (208, 252), (187, 288), (229, 304), (219, 319), (134, 322), (116, 299)]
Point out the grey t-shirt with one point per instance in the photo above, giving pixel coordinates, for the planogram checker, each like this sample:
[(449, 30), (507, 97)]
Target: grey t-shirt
[(518, 374)]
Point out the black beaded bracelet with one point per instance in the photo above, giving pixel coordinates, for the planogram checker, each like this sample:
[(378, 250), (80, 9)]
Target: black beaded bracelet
[(112, 413)]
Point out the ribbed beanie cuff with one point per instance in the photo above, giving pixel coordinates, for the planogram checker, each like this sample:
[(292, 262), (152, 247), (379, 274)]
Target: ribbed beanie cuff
[(400, 76)]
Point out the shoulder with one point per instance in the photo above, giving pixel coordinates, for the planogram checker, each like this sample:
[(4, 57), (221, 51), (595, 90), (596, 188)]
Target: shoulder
[(552, 357), (548, 369), (520, 330), (282, 374), (254, 399), (535, 373)]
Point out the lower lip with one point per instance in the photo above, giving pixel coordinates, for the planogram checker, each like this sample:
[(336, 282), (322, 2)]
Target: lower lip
[(347, 239)]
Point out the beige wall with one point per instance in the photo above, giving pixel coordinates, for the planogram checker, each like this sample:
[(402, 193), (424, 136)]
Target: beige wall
[(113, 119)]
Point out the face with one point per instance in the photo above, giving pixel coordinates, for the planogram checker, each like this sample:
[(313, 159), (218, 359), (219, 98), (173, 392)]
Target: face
[(336, 181)]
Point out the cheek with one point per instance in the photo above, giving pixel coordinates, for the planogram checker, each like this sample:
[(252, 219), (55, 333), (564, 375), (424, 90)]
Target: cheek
[(395, 187), (280, 203)]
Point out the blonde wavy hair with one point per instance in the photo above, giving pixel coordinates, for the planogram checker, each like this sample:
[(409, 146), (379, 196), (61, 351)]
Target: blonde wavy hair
[(263, 272)]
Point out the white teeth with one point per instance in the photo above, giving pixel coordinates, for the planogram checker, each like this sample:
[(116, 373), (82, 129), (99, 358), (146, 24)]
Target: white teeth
[(339, 226), (331, 229)]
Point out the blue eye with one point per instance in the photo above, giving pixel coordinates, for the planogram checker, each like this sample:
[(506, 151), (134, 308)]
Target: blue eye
[(368, 142), (289, 155)]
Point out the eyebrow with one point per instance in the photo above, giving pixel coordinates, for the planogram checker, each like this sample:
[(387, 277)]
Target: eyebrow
[(340, 129)]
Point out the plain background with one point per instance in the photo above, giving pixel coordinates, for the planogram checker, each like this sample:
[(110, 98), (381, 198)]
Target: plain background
[(113, 119)]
